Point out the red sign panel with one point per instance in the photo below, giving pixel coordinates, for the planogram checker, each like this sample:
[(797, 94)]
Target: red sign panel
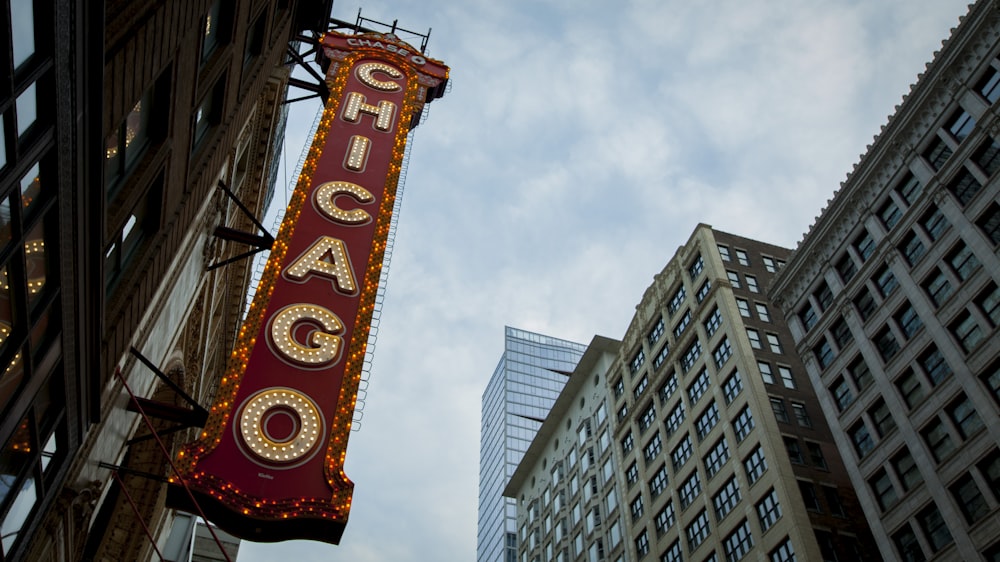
[(269, 464)]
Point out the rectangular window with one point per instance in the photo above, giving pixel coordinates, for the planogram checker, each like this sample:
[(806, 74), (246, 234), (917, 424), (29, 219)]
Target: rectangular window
[(816, 454), (937, 287), (906, 470), (754, 336), (912, 248), (707, 420), (961, 124), (673, 553), (668, 388), (752, 283), (778, 407), (768, 510), (641, 387), (665, 519), (860, 372), (762, 312), (786, 377), (907, 545), (885, 342), (628, 443), (934, 528), (865, 245), (755, 464), (696, 267), (722, 353), (682, 324), (743, 258), (636, 507), (937, 153), (987, 157), (966, 331), (743, 424), (631, 475), (810, 497), (801, 415), (659, 482), (704, 290), (734, 279), (738, 543), (726, 499), (681, 453), (934, 222), (765, 372), (989, 223), (842, 393), (774, 343), (724, 253), (846, 268), (653, 448), (637, 361), (881, 418), (732, 387), (988, 302), (969, 499), (938, 439), (794, 450), (908, 320), (656, 332), (963, 262), (841, 333), (690, 490), (964, 186), (889, 213), (783, 553), (823, 352), (934, 365), (698, 387), (676, 301), (989, 85), (642, 544), (697, 531), (823, 296), (769, 264), (674, 420), (963, 415), (647, 417), (716, 458), (910, 388), (886, 281), (744, 306), (865, 303), (862, 439), (690, 355), (208, 113), (661, 356), (713, 322)]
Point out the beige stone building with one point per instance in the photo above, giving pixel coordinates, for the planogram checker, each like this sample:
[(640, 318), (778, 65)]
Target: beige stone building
[(893, 301)]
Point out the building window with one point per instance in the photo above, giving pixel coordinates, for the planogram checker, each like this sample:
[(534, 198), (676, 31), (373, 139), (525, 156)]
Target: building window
[(765, 372), (732, 386), (906, 470), (216, 30), (141, 224), (647, 417), (636, 507), (846, 268), (722, 353), (724, 253), (907, 545), (743, 258), (938, 440), (964, 186), (690, 355), (208, 114), (937, 286), (881, 417), (637, 361), (862, 439), (883, 490), (823, 352), (696, 267), (989, 85), (963, 415), (652, 448), (632, 474), (865, 303), (127, 142), (910, 388), (842, 393), (937, 153), (704, 290), (934, 222), (752, 283), (661, 356), (673, 553), (794, 450), (786, 377), (619, 388), (744, 307), (677, 300), (809, 496), (816, 454), (988, 301), (886, 281), (726, 499), (668, 388), (841, 333), (963, 262), (689, 490), (783, 552), (641, 387), (885, 342), (755, 464), (889, 214), (642, 545), (762, 312), (987, 157), (774, 343), (665, 519), (659, 482), (713, 322), (628, 443), (674, 420), (681, 453), (801, 415), (743, 423), (912, 248), (698, 387), (989, 223), (255, 38), (860, 372), (738, 543), (969, 498), (990, 470), (734, 279), (656, 332), (697, 531), (823, 296), (966, 331), (961, 124), (908, 320), (768, 510), (754, 336), (934, 528), (682, 324), (778, 407), (716, 458), (934, 365), (707, 420)]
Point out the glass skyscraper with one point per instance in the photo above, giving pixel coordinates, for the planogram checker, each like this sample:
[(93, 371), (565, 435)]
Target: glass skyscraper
[(527, 380)]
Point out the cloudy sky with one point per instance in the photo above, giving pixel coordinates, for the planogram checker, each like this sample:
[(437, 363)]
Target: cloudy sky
[(578, 148)]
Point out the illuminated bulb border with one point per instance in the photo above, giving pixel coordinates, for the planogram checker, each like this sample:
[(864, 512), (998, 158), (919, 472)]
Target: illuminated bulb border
[(309, 429)]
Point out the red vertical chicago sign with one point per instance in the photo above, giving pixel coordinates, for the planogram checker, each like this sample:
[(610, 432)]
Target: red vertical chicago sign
[(269, 464)]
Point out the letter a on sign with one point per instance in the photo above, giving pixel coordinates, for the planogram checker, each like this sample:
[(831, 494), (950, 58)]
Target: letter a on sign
[(269, 465)]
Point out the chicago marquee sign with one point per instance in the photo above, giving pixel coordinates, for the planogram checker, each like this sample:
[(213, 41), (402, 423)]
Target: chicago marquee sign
[(269, 464)]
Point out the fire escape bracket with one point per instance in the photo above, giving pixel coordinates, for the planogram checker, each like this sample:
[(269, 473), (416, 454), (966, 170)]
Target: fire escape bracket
[(258, 242)]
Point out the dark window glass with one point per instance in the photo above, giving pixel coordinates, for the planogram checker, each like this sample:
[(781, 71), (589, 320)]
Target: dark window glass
[(963, 261), (937, 153), (846, 268), (967, 331), (934, 222), (842, 393), (890, 214), (906, 470), (938, 439), (883, 490), (907, 545), (865, 245), (989, 85), (882, 418), (989, 223), (937, 286), (987, 156), (865, 303), (909, 188), (908, 320), (969, 498), (885, 342), (934, 365), (989, 302), (961, 124), (964, 186), (934, 527), (862, 439), (963, 415), (912, 248), (886, 281), (841, 333)]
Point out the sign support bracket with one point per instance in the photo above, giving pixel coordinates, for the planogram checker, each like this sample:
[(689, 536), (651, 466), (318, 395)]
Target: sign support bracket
[(258, 242), (196, 416)]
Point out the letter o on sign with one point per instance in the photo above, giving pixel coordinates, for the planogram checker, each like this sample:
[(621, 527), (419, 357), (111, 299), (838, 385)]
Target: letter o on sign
[(280, 425)]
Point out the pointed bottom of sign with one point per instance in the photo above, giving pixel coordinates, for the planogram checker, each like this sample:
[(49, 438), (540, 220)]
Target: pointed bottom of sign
[(260, 530)]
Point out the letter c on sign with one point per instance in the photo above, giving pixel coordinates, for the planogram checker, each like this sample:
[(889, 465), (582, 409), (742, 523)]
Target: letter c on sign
[(323, 347)]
